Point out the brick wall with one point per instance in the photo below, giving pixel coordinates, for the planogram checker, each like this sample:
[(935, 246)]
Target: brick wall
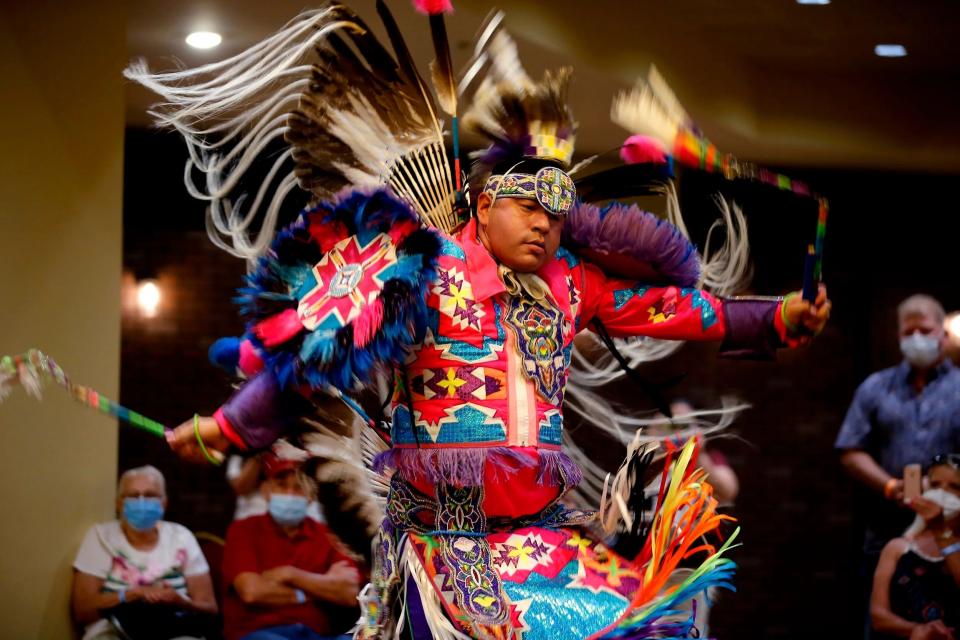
[(164, 369)]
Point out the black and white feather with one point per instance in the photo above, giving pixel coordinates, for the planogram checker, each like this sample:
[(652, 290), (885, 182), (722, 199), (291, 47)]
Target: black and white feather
[(349, 113)]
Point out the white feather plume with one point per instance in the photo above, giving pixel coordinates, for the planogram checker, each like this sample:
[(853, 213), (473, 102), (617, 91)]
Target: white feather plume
[(229, 112), (650, 109), (329, 101), (727, 269), (495, 48)]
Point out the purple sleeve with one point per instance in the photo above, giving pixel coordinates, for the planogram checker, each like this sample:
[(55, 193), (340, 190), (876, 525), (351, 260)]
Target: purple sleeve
[(751, 331), (261, 411)]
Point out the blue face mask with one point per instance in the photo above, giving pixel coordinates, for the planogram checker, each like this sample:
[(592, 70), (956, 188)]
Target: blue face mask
[(142, 513), (287, 510)]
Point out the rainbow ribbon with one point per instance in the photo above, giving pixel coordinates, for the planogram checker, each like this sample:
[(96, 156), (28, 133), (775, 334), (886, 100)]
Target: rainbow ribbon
[(821, 233), (813, 269), (697, 152), (687, 512), (30, 368)]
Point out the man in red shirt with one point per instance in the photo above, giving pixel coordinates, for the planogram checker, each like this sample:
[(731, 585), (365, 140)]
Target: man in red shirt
[(281, 570)]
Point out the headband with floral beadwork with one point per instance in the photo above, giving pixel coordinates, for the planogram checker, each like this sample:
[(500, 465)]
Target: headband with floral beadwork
[(552, 187)]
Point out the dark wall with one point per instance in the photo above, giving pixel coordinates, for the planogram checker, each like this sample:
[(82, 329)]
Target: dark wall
[(164, 371), (889, 235)]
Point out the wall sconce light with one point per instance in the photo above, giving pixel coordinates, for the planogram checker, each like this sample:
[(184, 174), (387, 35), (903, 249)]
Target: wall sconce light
[(952, 323), (148, 297)]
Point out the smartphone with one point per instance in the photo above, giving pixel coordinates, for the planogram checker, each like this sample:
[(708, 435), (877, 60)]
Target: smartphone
[(912, 481)]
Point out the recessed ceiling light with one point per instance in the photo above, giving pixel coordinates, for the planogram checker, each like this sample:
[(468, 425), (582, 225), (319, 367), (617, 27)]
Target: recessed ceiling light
[(203, 39), (813, 2), (890, 50)]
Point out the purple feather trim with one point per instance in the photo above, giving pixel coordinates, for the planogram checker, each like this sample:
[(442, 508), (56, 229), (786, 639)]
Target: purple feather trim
[(557, 468), (465, 467), (627, 241)]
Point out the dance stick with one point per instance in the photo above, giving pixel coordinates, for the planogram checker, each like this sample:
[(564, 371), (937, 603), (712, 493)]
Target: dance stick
[(809, 281), (29, 369)]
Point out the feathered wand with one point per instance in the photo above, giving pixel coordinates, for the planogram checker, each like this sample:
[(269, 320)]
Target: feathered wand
[(30, 369), (664, 132)]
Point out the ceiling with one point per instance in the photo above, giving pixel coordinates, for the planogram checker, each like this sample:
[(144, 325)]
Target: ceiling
[(768, 80)]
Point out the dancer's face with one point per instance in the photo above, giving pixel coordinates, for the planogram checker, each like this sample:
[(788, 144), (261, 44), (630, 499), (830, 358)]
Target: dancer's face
[(519, 233)]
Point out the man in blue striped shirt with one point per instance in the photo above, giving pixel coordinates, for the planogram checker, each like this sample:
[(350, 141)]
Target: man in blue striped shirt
[(901, 415)]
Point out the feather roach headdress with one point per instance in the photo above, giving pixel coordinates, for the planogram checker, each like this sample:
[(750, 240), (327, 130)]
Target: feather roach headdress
[(529, 125), (523, 119)]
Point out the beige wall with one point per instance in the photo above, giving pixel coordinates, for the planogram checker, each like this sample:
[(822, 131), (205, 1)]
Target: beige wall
[(61, 162)]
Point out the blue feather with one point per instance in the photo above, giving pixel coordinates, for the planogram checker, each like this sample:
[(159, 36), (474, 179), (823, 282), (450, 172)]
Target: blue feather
[(327, 357)]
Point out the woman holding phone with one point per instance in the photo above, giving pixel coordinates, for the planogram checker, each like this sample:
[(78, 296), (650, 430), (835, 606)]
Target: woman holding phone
[(916, 587)]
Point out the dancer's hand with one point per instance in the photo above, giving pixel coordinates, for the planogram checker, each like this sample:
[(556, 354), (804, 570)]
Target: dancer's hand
[(183, 440), (808, 318)]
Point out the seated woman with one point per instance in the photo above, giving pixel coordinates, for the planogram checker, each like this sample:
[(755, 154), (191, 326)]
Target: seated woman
[(141, 576), (915, 587)]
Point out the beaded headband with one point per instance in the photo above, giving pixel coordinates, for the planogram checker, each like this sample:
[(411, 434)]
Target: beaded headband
[(551, 187)]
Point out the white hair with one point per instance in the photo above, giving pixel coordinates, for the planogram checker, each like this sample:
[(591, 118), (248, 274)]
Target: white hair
[(148, 471), (921, 304)]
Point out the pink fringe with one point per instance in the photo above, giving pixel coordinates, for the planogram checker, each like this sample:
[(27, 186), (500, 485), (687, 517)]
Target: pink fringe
[(279, 328), (367, 324)]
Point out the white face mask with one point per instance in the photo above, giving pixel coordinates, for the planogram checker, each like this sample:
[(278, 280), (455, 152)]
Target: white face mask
[(949, 502), (920, 350)]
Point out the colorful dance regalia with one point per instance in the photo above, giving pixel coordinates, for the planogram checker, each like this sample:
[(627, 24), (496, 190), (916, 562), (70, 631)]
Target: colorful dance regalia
[(473, 517), (476, 541)]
